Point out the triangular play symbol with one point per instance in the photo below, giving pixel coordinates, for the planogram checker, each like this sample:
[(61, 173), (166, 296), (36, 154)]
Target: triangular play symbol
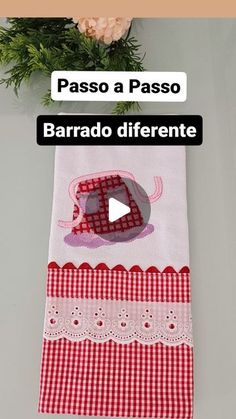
[(117, 209)]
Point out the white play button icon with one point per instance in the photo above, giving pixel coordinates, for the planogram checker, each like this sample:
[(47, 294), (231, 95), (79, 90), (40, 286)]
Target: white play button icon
[(117, 210)]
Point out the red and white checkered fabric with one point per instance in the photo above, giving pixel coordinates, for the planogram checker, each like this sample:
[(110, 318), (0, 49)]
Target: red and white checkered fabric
[(110, 378), (118, 283), (98, 221)]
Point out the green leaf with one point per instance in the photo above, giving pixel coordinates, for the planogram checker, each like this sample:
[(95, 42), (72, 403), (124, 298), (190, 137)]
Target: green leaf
[(29, 45)]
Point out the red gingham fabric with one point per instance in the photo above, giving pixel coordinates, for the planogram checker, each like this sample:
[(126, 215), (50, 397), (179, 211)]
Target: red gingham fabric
[(115, 284), (114, 379), (110, 379), (98, 222)]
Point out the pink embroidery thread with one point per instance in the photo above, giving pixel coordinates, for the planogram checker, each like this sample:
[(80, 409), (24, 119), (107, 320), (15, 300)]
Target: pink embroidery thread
[(72, 192)]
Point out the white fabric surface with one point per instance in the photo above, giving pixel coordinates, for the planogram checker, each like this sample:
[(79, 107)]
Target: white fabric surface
[(167, 245)]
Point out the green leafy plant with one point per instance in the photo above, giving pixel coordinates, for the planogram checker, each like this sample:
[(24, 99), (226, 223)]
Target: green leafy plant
[(29, 45)]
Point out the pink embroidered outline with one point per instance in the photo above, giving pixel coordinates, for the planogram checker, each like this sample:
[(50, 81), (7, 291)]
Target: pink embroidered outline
[(74, 183)]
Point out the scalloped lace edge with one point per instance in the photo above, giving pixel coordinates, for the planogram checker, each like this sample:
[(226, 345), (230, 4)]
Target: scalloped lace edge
[(120, 321)]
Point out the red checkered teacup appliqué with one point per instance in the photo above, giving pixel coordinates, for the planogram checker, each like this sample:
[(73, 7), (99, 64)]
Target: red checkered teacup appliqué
[(117, 343), (93, 221), (90, 194)]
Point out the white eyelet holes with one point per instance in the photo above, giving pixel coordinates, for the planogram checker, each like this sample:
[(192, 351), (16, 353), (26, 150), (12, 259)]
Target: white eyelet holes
[(53, 318), (123, 322), (147, 320), (123, 317), (76, 318), (99, 316), (171, 321)]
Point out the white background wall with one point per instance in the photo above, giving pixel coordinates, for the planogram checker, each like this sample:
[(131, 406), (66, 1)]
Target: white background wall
[(206, 50)]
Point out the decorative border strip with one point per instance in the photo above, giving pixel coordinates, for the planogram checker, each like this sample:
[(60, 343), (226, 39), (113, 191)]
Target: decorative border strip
[(118, 283), (122, 321), (103, 266)]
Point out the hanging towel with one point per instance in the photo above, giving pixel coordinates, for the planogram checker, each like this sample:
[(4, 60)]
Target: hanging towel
[(118, 329)]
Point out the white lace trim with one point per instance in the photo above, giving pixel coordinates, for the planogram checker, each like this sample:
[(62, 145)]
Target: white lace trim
[(120, 321)]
